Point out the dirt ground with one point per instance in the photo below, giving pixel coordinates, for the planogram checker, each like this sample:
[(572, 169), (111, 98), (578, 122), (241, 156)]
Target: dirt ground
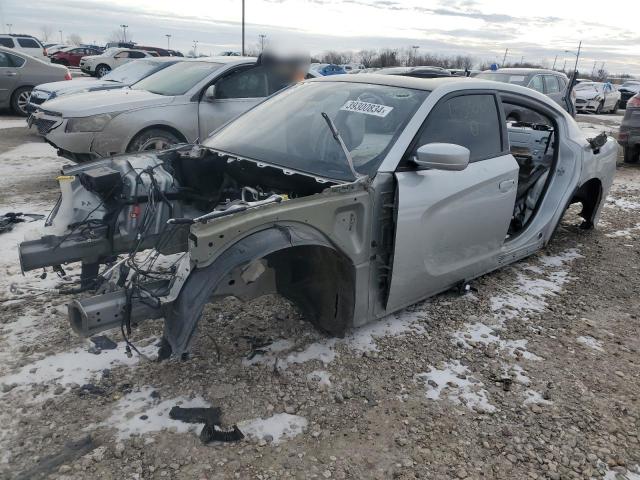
[(533, 374)]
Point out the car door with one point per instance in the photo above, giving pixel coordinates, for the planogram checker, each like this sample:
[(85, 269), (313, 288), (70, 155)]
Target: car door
[(8, 77), (451, 225), (231, 95)]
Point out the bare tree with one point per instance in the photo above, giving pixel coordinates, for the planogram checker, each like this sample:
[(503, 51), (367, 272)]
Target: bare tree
[(45, 32), (74, 39), (366, 57)]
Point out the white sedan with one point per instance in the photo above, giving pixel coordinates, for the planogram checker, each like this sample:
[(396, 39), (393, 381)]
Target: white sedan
[(100, 65), (597, 97)]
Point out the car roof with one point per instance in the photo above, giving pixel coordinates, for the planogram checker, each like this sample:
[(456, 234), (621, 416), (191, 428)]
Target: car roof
[(227, 59), (525, 71)]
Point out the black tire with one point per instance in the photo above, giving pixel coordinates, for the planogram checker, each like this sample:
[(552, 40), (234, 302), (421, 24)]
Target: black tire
[(19, 101), (102, 70), (153, 139), (631, 154)]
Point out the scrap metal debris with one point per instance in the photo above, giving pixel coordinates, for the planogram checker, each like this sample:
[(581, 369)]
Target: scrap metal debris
[(103, 342), (212, 431), (257, 345), (9, 220)]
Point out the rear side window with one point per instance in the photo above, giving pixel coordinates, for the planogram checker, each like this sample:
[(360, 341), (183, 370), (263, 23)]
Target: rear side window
[(536, 83), (562, 82), (28, 43), (469, 120), (551, 84), (136, 55), (7, 42), (16, 60)]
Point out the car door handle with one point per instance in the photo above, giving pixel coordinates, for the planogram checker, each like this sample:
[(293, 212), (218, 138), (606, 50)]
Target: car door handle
[(506, 185), (11, 74)]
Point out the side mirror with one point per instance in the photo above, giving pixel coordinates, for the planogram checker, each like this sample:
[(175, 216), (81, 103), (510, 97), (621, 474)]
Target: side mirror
[(442, 156), (210, 93)]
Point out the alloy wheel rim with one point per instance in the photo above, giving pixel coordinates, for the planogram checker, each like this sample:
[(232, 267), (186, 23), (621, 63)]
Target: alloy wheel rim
[(23, 99), (155, 143)]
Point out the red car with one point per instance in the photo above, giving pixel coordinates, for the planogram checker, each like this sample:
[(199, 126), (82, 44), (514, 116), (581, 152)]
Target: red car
[(71, 56)]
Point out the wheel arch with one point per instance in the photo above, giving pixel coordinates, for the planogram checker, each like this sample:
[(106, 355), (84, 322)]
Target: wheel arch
[(156, 126), (302, 265), (589, 194)]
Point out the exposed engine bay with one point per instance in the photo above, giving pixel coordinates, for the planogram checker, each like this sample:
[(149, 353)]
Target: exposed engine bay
[(127, 204), (532, 145)]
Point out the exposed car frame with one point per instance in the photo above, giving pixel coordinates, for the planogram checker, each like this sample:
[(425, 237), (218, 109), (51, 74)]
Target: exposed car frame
[(345, 252)]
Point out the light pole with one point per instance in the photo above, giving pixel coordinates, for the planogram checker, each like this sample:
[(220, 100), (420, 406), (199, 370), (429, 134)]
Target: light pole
[(554, 63), (504, 59), (262, 37), (415, 52), (60, 31), (9, 25), (168, 40), (243, 28), (195, 48), (124, 32)]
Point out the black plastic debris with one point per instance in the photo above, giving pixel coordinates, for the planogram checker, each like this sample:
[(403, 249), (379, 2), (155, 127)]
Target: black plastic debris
[(257, 345), (92, 389), (212, 430), (103, 342), (68, 454), (9, 220)]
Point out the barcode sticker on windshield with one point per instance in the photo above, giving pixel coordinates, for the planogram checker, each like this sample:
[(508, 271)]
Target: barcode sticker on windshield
[(366, 108)]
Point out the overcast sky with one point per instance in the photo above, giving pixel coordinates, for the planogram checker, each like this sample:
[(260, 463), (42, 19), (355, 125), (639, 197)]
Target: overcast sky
[(537, 30)]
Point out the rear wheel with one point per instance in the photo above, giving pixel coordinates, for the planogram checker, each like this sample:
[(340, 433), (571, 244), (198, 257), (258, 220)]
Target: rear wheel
[(631, 154), (102, 70), (19, 101), (153, 139)]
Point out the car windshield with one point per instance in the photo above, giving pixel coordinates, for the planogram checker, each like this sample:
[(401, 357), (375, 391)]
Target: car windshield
[(631, 85), (177, 79), (133, 72), (289, 130), (110, 51), (514, 78), (587, 86)]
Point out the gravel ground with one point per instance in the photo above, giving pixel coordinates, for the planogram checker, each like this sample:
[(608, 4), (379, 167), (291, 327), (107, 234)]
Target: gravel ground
[(534, 374)]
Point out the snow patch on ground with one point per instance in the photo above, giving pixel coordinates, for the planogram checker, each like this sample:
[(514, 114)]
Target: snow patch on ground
[(277, 428), (17, 123), (626, 233), (632, 474), (454, 382), (75, 366), (622, 203), (138, 413), (591, 342), (321, 377), (531, 396), (361, 339)]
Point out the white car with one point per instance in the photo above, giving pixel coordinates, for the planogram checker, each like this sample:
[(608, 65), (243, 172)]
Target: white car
[(597, 97), (25, 44), (100, 65)]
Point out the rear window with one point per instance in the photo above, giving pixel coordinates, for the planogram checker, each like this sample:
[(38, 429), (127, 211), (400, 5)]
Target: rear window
[(6, 42), (551, 84), (513, 78), (28, 43)]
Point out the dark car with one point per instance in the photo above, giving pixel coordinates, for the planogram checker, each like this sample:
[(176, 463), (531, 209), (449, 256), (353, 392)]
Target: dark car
[(627, 90), (70, 57), (629, 135), (554, 85), (418, 72)]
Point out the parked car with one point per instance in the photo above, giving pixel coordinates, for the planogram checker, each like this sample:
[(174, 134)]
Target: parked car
[(549, 82), (418, 72), (181, 103), (70, 56), (597, 97), (19, 73), (627, 90), (629, 134), (352, 196), (326, 69), (100, 65), (352, 67), (155, 51), (121, 77), (55, 47), (23, 43)]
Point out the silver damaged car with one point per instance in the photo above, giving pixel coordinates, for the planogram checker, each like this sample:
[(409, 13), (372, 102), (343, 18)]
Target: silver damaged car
[(353, 196)]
